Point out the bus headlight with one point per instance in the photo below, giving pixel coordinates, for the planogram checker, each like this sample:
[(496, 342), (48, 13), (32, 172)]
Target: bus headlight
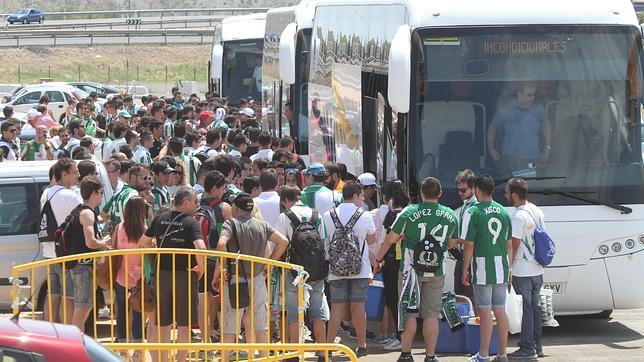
[(630, 243), (603, 249), (617, 247)]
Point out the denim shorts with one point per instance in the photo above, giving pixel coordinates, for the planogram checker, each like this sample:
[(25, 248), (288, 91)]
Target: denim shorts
[(490, 296), (349, 290), (318, 308), (83, 286), (56, 284)]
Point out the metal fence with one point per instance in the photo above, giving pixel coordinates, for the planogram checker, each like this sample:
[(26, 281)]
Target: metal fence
[(150, 287), (102, 14)]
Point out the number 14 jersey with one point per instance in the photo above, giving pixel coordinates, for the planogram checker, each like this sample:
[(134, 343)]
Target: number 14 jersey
[(488, 225)]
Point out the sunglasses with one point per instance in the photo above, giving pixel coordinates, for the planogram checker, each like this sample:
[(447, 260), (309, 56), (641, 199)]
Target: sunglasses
[(462, 191), (13, 130)]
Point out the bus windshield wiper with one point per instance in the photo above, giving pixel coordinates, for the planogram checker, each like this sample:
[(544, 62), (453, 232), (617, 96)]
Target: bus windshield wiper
[(623, 209)]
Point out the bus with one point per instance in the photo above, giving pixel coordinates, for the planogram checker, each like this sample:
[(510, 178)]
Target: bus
[(275, 93), (236, 66), (408, 89)]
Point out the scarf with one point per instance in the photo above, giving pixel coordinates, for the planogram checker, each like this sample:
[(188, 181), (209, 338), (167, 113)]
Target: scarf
[(409, 300)]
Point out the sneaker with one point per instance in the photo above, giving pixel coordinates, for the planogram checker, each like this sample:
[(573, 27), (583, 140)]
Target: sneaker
[(383, 338), (478, 358), (431, 359), (540, 353), (405, 358), (500, 359), (104, 313), (196, 336), (394, 345), (523, 354), (238, 355), (361, 352), (353, 335), (345, 327)]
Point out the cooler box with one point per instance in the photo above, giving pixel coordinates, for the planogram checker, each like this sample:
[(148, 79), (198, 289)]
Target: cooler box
[(375, 304), (473, 337), (448, 341)]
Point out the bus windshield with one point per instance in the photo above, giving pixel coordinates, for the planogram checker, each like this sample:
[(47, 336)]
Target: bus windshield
[(242, 73), (559, 105)]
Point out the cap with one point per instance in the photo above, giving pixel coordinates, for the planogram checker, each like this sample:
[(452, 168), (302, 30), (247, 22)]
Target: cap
[(368, 179), (123, 113), (206, 115), (161, 166), (33, 113), (316, 169), (244, 201), (247, 111)]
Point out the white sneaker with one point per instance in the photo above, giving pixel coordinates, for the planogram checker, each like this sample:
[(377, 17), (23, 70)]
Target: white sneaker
[(104, 313), (394, 345)]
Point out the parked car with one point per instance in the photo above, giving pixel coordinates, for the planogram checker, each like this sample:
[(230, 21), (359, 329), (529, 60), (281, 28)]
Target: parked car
[(101, 90), (26, 16), (24, 339), (59, 93)]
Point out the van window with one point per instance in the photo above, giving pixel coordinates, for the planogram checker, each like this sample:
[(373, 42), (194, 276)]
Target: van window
[(29, 98), (55, 96), (18, 213)]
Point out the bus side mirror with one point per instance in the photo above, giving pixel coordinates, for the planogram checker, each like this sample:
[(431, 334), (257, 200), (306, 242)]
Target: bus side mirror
[(399, 82), (287, 54), (217, 61)]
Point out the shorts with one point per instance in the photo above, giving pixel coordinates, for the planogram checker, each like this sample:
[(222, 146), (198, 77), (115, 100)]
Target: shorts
[(490, 296), (349, 290), (233, 320), (184, 299), (431, 294), (206, 280), (83, 285), (55, 281), (318, 308)]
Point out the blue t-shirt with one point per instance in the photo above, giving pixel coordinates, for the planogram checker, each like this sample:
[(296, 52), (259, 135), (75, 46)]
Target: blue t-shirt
[(521, 130)]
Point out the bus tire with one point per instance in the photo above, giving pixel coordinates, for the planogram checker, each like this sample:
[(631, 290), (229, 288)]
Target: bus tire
[(603, 315)]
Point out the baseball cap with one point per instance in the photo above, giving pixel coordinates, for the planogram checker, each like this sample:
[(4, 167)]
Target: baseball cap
[(316, 169), (123, 113), (247, 111), (161, 166), (33, 113), (206, 115), (244, 201), (368, 179)]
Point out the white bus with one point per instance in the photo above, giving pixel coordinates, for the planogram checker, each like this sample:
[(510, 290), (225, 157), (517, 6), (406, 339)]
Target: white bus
[(236, 65), (412, 88)]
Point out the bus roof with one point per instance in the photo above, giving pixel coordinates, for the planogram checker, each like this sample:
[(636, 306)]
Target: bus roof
[(243, 27), (423, 13), (304, 13)]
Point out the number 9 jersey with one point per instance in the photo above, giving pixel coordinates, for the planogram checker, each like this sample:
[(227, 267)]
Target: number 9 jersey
[(488, 225)]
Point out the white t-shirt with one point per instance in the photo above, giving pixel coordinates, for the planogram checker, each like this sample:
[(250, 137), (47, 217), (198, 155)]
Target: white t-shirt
[(363, 227), (263, 153), (523, 225), (113, 148), (303, 213), (235, 153), (63, 201), (268, 203)]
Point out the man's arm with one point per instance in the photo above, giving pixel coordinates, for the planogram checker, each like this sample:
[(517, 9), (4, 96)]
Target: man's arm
[(280, 242), (87, 222), (201, 261), (513, 245), (491, 138), (467, 260), (391, 239), (546, 135)]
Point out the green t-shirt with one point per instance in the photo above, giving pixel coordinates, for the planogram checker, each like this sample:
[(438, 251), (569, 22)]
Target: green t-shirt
[(416, 220), (34, 151), (488, 225), (115, 206)]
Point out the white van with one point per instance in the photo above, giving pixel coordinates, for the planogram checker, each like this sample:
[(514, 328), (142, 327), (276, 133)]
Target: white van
[(21, 185)]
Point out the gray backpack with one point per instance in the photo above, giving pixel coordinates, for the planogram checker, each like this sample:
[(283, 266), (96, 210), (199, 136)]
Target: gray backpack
[(345, 253)]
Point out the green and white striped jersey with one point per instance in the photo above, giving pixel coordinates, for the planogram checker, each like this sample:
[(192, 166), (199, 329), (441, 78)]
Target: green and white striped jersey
[(142, 155), (488, 225), (168, 128), (162, 197), (115, 206)]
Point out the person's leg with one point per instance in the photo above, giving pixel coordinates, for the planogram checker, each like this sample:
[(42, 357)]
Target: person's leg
[(83, 295), (359, 321), (390, 281), (339, 300), (523, 287), (121, 328), (52, 299), (537, 283), (408, 334), (430, 303), (483, 296), (183, 336), (499, 294)]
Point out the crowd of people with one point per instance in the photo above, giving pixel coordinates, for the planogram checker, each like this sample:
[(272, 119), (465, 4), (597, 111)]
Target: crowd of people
[(206, 174)]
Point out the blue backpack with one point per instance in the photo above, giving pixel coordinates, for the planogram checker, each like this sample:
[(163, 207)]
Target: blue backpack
[(544, 246)]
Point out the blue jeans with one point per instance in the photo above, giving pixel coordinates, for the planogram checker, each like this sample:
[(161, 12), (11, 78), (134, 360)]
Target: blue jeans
[(529, 288)]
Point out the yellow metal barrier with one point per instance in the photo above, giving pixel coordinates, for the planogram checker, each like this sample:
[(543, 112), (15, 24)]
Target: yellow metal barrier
[(158, 337)]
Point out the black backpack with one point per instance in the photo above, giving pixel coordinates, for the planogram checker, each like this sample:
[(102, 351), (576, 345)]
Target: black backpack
[(48, 223), (65, 240), (306, 247), (212, 214), (428, 255), (203, 154)]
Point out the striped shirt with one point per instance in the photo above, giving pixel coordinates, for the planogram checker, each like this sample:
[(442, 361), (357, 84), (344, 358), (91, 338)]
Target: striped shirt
[(162, 197), (168, 128), (115, 206), (142, 155)]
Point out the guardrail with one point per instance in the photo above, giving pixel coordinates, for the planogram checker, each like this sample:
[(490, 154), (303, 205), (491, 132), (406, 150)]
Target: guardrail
[(156, 23), (18, 38), (140, 12)]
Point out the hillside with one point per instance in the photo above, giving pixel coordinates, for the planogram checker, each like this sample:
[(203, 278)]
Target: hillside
[(75, 5)]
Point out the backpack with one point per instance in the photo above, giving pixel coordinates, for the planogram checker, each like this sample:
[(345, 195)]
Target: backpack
[(428, 255), (544, 246), (212, 214), (65, 243), (48, 223), (345, 254), (202, 155), (306, 247)]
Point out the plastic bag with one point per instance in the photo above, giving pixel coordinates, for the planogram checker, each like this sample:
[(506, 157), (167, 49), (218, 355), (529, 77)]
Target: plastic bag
[(547, 310), (514, 309)]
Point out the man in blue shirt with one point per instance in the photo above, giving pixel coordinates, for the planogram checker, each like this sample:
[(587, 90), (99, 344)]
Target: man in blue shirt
[(526, 131)]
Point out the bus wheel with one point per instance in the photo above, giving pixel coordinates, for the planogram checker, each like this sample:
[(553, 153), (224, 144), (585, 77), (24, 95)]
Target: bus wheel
[(603, 315)]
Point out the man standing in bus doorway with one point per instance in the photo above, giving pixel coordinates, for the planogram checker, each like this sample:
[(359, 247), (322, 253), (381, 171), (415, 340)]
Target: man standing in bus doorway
[(465, 190), (526, 132), (257, 79), (527, 273), (487, 233)]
